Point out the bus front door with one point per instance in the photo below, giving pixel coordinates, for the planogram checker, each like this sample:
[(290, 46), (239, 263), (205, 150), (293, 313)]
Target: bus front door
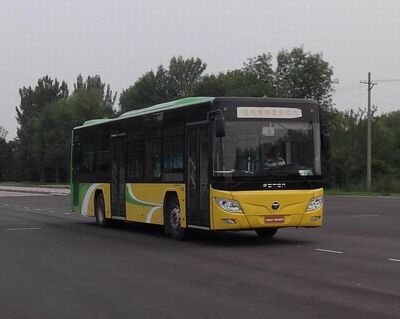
[(197, 192), (118, 162)]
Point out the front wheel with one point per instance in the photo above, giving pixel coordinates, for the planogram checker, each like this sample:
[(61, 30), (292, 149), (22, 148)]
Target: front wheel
[(100, 212), (266, 232), (172, 223)]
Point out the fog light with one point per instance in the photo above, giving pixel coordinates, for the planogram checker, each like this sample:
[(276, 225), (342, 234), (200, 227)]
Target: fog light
[(315, 218), (228, 221)]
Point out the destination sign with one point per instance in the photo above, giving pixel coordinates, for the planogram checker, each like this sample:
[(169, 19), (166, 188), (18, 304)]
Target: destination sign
[(269, 112)]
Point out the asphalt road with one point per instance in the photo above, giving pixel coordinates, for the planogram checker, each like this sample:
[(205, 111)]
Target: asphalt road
[(57, 265)]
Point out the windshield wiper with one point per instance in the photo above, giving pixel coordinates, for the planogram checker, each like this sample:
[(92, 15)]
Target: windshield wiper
[(224, 172), (235, 172), (243, 172)]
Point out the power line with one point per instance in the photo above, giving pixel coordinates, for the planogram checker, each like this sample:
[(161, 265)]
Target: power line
[(347, 88), (355, 86), (389, 80)]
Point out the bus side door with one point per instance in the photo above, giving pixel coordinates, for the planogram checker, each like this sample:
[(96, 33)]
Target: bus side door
[(197, 181), (118, 174)]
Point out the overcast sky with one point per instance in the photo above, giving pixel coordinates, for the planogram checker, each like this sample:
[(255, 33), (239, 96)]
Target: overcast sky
[(120, 40)]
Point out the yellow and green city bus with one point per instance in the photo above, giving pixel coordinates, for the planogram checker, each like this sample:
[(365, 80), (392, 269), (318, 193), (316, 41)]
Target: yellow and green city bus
[(202, 162)]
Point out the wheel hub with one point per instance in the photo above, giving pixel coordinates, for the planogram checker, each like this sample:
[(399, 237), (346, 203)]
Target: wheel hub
[(176, 219)]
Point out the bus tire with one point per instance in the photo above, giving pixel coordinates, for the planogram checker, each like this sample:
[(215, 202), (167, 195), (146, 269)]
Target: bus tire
[(266, 232), (172, 223), (100, 211)]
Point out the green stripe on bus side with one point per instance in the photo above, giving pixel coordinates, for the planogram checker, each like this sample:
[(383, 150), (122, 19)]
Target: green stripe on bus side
[(83, 188)]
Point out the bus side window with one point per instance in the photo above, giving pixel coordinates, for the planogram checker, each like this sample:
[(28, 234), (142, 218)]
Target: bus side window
[(88, 152), (76, 159), (103, 154), (135, 151), (173, 148), (153, 159), (136, 160), (89, 158)]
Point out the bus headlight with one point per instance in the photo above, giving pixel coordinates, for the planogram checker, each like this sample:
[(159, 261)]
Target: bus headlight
[(229, 205), (315, 203)]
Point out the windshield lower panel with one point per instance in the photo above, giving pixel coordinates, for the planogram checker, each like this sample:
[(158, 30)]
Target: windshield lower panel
[(267, 149)]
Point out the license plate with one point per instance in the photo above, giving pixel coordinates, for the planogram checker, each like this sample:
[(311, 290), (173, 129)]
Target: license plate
[(274, 219)]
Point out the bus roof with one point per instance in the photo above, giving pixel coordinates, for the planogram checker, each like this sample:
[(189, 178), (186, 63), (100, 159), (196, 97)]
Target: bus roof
[(182, 103), (153, 109), (168, 106)]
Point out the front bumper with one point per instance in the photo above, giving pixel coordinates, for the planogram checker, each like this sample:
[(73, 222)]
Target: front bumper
[(257, 212)]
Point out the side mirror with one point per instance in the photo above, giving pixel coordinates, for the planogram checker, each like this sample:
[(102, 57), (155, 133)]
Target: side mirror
[(219, 123)]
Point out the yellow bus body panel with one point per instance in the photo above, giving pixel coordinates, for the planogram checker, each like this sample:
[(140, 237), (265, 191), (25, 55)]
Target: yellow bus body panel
[(257, 209), (144, 202)]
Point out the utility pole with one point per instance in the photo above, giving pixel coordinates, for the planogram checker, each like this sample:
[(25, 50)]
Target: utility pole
[(370, 86)]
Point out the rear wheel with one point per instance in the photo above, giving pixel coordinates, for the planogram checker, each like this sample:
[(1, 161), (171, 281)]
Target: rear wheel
[(172, 223), (266, 232), (100, 211)]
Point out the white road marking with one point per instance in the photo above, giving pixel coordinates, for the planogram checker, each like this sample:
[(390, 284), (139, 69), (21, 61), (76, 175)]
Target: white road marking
[(16, 206), (370, 215), (23, 228), (51, 211), (329, 251), (37, 209), (365, 196), (67, 213), (393, 259)]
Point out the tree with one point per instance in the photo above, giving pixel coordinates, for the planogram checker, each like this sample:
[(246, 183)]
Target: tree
[(90, 99), (254, 79), (150, 89), (6, 157), (244, 83), (348, 148), (261, 68), (209, 85), (347, 137), (57, 119), (30, 145), (173, 83), (301, 74), (34, 100), (386, 152), (47, 115), (94, 83), (183, 75)]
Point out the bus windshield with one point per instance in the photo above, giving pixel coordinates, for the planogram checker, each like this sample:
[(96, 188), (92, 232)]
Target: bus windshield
[(267, 148)]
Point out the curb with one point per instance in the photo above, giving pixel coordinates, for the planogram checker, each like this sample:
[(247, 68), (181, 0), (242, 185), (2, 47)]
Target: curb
[(39, 190)]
